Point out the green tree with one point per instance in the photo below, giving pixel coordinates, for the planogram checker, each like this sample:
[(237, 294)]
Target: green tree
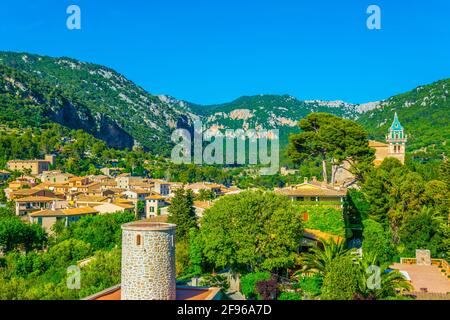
[(251, 231), (101, 273), (182, 213), (319, 259), (376, 281), (100, 231), (341, 279), (333, 140), (15, 234), (376, 241)]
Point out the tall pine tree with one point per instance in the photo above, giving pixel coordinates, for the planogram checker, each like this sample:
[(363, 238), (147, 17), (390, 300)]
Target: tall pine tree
[(182, 213)]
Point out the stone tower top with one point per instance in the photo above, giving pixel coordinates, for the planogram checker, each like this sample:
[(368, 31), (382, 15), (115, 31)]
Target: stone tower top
[(148, 226), (396, 132), (396, 138), (148, 261)]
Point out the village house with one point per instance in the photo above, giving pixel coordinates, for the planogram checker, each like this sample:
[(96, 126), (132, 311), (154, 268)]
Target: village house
[(55, 177), (33, 192), (153, 205), (314, 193), (114, 207), (162, 187), (79, 182), (21, 183), (201, 206), (126, 181), (34, 166), (111, 172), (136, 194), (27, 205), (100, 178), (48, 217), (90, 201), (109, 184), (196, 187)]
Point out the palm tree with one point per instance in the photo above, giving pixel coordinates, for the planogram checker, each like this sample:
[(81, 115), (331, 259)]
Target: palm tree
[(385, 283), (319, 258)]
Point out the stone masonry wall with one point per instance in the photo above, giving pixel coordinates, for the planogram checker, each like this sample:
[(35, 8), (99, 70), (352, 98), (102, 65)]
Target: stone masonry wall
[(148, 268)]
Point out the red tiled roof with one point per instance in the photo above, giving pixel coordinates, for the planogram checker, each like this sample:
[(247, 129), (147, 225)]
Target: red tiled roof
[(182, 293)]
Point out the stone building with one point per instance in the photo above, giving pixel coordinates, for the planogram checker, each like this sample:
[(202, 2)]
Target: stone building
[(148, 261), (35, 166), (148, 267)]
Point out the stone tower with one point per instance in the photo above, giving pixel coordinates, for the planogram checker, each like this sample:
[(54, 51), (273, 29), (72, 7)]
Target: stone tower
[(396, 138), (148, 261)]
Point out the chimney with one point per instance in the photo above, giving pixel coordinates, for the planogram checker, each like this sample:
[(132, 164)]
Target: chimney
[(148, 261), (305, 180), (314, 179)]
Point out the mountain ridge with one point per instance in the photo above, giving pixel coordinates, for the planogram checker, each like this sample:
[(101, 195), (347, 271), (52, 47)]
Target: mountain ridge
[(104, 103)]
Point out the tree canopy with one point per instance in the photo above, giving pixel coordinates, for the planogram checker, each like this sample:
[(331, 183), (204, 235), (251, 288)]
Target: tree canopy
[(334, 140), (251, 231)]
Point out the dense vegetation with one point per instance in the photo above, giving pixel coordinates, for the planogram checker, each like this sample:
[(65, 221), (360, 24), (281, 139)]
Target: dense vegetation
[(28, 272), (424, 112), (90, 97)]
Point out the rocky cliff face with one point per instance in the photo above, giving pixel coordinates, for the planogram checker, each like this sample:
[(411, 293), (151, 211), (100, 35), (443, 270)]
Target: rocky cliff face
[(53, 105), (100, 101)]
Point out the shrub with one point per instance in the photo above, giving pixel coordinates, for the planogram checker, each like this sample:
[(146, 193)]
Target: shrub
[(248, 283), (267, 289), (375, 241), (311, 285), (290, 296), (341, 280)]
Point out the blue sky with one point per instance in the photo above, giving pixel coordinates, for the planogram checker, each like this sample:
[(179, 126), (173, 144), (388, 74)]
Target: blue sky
[(213, 51)]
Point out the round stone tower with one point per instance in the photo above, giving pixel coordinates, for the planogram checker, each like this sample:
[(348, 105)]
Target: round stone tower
[(148, 261)]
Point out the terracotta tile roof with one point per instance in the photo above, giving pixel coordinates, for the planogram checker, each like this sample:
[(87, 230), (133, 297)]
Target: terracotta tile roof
[(47, 213), (21, 192), (73, 179), (203, 185), (64, 212), (182, 293), (37, 199), (374, 144), (203, 204), (155, 197), (377, 162), (139, 191), (92, 199), (309, 189), (120, 200), (124, 205), (79, 211)]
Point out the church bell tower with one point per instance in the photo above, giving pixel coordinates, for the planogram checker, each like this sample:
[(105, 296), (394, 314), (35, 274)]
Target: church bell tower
[(396, 138)]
